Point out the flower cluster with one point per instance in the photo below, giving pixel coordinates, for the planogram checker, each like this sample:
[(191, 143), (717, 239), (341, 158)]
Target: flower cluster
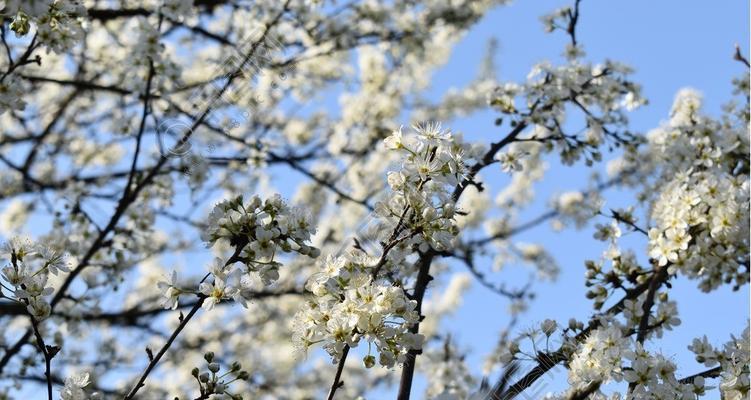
[(266, 227), (447, 373), (362, 296), (701, 211), (599, 357), (653, 376), (602, 93), (210, 382), (58, 23), (433, 162), (733, 359), (27, 274), (33, 8), (349, 305), (258, 231), (150, 57), (696, 186), (608, 353)]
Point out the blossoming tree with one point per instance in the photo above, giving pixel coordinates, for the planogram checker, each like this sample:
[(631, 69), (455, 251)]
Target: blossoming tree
[(140, 135)]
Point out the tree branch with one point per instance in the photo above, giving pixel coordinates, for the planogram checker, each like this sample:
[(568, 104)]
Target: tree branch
[(154, 361), (337, 378), (559, 355)]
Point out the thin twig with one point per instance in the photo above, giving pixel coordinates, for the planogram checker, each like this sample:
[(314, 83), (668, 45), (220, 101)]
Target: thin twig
[(46, 353), (183, 322), (559, 355), (337, 378), (408, 369), (739, 56), (154, 361)]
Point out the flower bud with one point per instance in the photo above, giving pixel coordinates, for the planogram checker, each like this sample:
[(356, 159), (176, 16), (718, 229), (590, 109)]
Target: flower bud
[(214, 367), (513, 347), (548, 327), (314, 252), (448, 210)]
